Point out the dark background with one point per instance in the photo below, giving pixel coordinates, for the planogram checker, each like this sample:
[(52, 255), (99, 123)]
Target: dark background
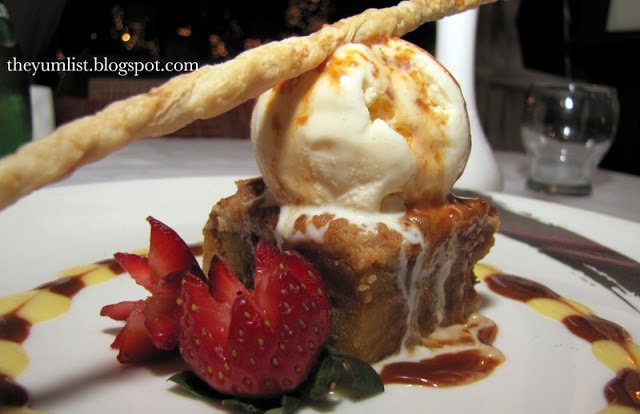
[(566, 38)]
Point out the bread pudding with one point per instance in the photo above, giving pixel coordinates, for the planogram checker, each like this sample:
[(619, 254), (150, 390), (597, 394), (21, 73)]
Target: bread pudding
[(358, 158), (386, 289)]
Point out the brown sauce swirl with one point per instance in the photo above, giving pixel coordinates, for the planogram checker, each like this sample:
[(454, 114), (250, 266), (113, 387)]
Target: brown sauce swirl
[(437, 223), (444, 370), (519, 288), (624, 388), (465, 355), (488, 334), (592, 328), (11, 393), (66, 286), (14, 328)]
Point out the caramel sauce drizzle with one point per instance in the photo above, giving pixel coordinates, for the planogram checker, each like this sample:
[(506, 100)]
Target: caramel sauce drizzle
[(469, 357), (444, 370), (19, 312), (610, 342)]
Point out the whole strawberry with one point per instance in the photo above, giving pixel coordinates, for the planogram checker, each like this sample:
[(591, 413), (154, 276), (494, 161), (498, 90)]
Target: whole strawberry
[(259, 343)]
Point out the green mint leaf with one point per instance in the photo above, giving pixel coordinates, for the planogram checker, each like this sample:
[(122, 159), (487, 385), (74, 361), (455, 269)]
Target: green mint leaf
[(345, 375), (189, 382), (321, 379), (288, 405), (193, 385), (358, 378), (246, 406)]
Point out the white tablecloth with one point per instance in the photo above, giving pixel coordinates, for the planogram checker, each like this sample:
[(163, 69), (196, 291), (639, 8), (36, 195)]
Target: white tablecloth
[(614, 194)]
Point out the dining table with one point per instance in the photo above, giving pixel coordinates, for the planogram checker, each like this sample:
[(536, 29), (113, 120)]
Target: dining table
[(58, 271), (614, 193)]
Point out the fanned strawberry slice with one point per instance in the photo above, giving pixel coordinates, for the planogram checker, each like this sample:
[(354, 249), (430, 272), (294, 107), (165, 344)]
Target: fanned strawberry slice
[(121, 311), (260, 343), (133, 342), (153, 321), (168, 253), (161, 322), (137, 266), (223, 284)]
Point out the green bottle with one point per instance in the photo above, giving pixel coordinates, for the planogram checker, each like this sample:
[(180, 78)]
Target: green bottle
[(15, 104)]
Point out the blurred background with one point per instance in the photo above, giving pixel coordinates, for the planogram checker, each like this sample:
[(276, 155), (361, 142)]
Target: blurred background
[(518, 41)]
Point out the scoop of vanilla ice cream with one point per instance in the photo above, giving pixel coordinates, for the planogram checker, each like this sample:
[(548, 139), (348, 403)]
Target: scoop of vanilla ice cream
[(378, 124)]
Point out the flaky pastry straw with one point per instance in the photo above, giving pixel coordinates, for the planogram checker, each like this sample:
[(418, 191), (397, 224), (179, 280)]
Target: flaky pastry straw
[(205, 93)]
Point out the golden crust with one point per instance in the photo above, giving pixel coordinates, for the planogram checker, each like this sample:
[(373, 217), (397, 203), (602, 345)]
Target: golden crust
[(205, 93), (362, 269)]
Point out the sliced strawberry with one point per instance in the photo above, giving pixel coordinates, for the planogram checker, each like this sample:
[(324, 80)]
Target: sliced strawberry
[(213, 318), (133, 342), (169, 258), (223, 284), (161, 322), (168, 253), (121, 311), (269, 261), (260, 343), (152, 324), (137, 267)]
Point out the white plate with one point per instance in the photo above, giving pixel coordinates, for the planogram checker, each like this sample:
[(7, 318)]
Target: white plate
[(73, 370)]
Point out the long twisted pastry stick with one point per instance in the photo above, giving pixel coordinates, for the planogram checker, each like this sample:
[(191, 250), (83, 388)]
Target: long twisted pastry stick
[(205, 93)]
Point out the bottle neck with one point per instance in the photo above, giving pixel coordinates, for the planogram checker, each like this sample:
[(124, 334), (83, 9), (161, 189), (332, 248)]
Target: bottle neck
[(7, 37), (3, 11)]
